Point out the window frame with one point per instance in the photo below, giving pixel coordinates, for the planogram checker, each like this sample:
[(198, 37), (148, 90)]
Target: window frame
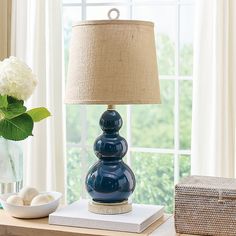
[(176, 151)]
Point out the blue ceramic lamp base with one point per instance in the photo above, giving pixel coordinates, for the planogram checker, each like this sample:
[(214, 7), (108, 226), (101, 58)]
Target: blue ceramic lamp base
[(110, 181)]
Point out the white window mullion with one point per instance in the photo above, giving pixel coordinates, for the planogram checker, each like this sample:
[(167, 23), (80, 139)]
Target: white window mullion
[(156, 2), (84, 152), (131, 9), (140, 3), (140, 149), (176, 105), (84, 125), (128, 125), (160, 151), (71, 4), (174, 77), (128, 107), (108, 4), (83, 9)]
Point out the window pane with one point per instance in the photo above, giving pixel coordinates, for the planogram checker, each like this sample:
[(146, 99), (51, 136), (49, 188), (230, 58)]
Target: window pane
[(100, 12), (155, 179), (73, 124), (79, 116), (153, 125), (185, 165), (186, 40), (70, 15), (164, 19), (94, 113), (185, 116), (157, 2), (78, 163), (189, 2), (71, 1), (74, 174), (106, 1)]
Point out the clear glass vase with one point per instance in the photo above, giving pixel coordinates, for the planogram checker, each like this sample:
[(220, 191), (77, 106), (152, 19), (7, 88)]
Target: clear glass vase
[(11, 166)]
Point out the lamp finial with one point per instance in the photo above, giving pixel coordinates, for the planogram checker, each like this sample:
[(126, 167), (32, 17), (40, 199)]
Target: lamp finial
[(111, 107), (111, 11)]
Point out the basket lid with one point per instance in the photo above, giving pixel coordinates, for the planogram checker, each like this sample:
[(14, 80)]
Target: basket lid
[(207, 186)]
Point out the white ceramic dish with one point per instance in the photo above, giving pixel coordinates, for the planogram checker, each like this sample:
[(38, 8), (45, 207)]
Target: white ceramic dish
[(30, 212)]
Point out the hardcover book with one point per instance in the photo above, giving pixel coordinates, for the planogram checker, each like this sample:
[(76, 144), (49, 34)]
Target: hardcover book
[(77, 215)]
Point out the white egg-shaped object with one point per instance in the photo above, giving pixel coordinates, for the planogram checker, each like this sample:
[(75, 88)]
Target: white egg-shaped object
[(27, 194), (15, 200), (41, 199)]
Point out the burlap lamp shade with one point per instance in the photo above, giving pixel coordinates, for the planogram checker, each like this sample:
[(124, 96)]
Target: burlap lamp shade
[(113, 62)]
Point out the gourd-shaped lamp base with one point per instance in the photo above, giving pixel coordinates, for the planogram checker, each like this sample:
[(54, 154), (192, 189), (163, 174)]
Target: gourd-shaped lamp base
[(110, 181)]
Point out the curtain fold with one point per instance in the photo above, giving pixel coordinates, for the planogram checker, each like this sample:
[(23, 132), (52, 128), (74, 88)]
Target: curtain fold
[(214, 89), (37, 39), (5, 28)]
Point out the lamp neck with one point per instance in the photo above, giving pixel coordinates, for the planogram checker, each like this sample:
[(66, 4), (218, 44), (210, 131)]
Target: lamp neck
[(111, 107)]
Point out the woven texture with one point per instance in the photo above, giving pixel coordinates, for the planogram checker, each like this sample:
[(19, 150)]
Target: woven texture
[(113, 62), (206, 206)]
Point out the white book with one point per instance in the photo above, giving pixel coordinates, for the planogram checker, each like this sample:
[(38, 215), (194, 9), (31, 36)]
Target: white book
[(77, 215)]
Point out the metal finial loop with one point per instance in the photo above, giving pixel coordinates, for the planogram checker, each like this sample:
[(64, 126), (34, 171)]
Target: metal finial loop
[(117, 14)]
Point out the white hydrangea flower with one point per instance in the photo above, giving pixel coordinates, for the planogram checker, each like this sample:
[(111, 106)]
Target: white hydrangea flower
[(16, 79)]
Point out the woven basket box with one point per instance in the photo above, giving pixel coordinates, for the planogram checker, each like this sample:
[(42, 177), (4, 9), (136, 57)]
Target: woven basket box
[(206, 206)]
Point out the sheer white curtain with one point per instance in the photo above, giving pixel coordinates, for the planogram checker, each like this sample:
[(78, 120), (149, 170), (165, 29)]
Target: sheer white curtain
[(37, 39), (5, 28), (214, 89)]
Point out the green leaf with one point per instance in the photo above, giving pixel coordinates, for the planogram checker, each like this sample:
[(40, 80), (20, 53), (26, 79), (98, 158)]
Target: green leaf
[(18, 128), (3, 101), (13, 110), (14, 100), (38, 114)]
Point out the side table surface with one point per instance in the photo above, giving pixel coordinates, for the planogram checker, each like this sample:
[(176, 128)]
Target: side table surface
[(168, 229), (10, 226)]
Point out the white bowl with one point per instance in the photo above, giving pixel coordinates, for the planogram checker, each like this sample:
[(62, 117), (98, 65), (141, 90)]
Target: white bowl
[(30, 212)]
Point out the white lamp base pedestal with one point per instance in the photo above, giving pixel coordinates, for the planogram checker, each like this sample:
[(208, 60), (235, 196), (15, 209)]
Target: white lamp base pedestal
[(109, 208)]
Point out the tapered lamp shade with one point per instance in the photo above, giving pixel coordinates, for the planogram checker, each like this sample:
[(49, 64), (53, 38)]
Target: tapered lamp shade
[(113, 62)]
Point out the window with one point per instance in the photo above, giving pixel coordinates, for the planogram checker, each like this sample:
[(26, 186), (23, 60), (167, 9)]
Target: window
[(159, 136)]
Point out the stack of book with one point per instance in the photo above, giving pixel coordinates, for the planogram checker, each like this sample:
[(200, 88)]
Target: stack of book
[(77, 215)]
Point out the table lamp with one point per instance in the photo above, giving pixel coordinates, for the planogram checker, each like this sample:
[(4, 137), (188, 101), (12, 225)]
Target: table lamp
[(112, 62)]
